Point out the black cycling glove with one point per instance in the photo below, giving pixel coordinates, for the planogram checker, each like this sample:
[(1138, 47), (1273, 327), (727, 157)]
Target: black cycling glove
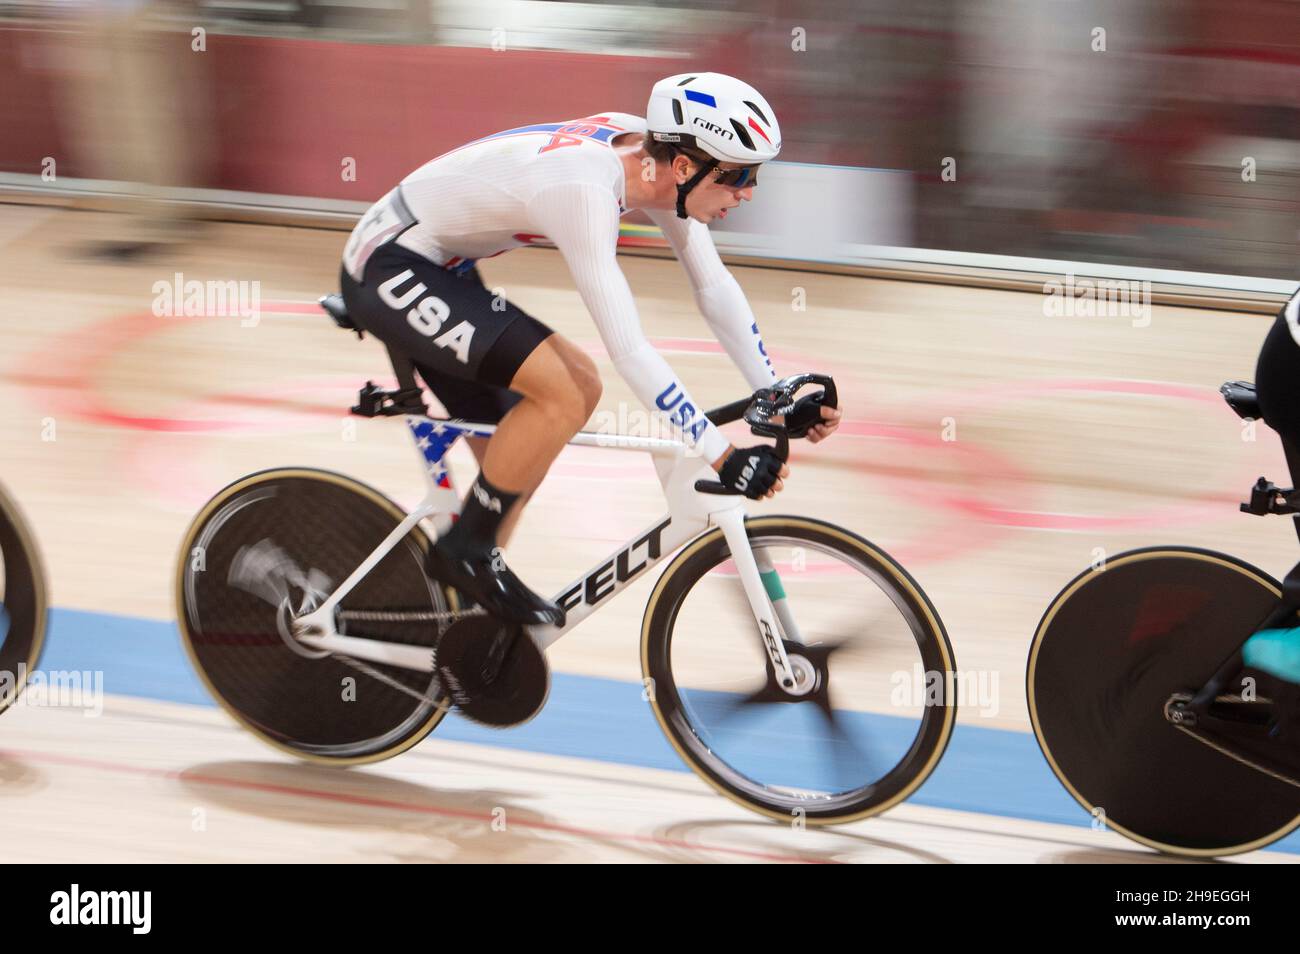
[(751, 470), (805, 415)]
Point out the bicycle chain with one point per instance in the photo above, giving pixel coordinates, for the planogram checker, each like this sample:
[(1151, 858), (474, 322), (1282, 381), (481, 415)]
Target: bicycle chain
[(396, 616), (409, 616), (388, 680)]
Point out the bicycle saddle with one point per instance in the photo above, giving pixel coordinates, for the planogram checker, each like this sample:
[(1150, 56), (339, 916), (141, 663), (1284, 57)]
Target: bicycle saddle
[(333, 306), (1240, 396)]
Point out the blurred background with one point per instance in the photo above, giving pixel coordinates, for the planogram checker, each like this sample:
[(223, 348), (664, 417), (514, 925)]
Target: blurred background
[(993, 445), (1156, 133)]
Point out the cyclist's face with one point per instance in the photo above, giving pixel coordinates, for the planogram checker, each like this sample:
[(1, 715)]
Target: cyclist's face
[(711, 199)]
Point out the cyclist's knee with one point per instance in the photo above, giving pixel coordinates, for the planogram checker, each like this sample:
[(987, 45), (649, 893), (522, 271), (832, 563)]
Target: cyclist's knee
[(562, 378), (574, 404), (586, 382), (584, 377)]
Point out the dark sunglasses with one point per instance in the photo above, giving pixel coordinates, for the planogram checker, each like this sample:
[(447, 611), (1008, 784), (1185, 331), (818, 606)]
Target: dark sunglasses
[(740, 178), (736, 178)]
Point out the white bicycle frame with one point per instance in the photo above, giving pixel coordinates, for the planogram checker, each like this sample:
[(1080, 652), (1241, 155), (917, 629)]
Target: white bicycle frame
[(690, 513)]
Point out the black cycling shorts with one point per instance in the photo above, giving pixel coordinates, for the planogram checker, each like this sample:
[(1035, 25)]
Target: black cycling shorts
[(466, 350), (1277, 386)]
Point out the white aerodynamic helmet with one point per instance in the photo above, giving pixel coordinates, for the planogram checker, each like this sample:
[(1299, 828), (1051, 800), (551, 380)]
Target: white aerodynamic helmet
[(714, 114)]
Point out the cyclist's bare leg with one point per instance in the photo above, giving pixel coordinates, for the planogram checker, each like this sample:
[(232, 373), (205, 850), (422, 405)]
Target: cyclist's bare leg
[(561, 387)]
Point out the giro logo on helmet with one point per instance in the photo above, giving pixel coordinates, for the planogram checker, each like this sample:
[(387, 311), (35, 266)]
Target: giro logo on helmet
[(714, 128)]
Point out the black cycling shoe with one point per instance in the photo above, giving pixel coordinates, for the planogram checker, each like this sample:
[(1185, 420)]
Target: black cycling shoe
[(489, 582)]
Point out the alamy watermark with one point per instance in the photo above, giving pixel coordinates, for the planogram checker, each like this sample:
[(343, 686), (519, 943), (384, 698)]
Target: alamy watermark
[(1098, 298), (55, 688), (635, 421), (977, 688), (128, 908), (180, 298)]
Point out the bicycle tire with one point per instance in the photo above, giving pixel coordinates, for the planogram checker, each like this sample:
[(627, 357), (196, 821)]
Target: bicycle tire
[(1110, 649), (708, 551), (24, 602), (238, 644)]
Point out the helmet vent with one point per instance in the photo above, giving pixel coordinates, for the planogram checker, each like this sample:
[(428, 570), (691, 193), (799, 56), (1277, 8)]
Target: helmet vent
[(759, 112), (743, 135), (677, 113), (685, 81)]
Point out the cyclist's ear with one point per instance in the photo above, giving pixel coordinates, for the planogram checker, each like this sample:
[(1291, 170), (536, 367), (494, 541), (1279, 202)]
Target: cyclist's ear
[(684, 169)]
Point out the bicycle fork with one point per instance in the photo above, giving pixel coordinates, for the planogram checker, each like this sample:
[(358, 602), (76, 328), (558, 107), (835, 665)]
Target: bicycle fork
[(764, 592)]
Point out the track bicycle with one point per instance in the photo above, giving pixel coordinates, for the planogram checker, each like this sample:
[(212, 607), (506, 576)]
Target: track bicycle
[(792, 664), (1143, 706)]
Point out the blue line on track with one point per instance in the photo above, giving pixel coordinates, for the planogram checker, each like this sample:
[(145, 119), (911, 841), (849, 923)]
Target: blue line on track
[(990, 771)]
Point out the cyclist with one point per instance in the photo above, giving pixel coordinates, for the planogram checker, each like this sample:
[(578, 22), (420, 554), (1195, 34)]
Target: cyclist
[(409, 278), (1277, 387)]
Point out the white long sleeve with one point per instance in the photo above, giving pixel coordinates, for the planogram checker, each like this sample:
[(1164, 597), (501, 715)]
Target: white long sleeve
[(582, 218), (718, 296), (563, 181)]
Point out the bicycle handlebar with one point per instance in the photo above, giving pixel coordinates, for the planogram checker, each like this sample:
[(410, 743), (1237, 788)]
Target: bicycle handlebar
[(763, 404)]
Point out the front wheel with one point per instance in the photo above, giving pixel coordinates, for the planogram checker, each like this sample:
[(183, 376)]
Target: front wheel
[(872, 708)]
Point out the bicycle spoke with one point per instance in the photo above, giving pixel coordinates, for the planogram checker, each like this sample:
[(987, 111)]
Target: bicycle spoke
[(841, 735), (820, 657), (857, 625), (737, 703)]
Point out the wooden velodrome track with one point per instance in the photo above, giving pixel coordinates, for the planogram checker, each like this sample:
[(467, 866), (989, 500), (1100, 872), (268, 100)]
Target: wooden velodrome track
[(1071, 434)]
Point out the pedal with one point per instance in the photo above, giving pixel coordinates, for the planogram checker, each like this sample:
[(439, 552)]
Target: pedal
[(494, 672)]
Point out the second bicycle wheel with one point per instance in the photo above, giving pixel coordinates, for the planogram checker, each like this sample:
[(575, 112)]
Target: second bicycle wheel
[(276, 544), (22, 603), (1111, 649), (873, 710)]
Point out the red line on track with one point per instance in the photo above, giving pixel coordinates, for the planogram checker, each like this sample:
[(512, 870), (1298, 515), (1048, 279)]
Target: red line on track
[(371, 802), (83, 354), (990, 513)]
